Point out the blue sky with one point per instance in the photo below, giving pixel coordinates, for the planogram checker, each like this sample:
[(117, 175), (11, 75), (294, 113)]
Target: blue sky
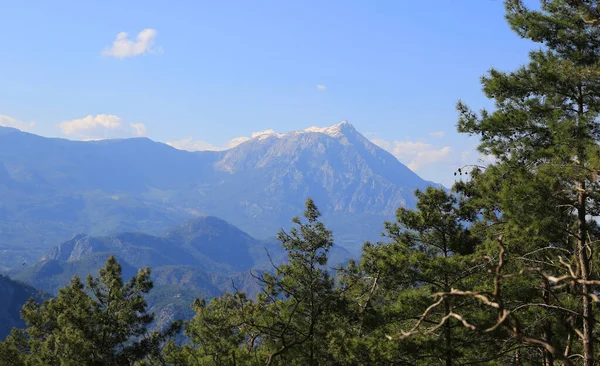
[(203, 73)]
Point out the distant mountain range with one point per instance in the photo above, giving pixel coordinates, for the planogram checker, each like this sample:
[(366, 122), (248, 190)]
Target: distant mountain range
[(202, 258), (51, 189)]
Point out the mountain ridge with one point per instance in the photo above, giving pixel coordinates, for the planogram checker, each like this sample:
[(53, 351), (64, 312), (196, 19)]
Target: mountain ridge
[(200, 258), (52, 188)]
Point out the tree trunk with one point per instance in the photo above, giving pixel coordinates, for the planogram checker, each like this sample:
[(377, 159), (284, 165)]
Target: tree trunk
[(584, 261), (447, 329), (584, 264), (448, 335), (548, 357)]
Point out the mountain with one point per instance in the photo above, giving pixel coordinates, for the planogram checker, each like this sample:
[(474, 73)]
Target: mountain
[(14, 294), (202, 258), (51, 189), (196, 255), (356, 184)]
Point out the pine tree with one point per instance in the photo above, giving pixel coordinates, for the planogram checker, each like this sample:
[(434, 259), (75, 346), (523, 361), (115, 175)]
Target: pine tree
[(544, 135), (297, 301), (292, 320), (220, 333), (101, 323), (430, 251), (518, 212), (120, 316)]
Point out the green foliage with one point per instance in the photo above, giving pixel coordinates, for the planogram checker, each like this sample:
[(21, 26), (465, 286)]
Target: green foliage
[(101, 323), (298, 299), (291, 321), (537, 198), (218, 334), (430, 251)]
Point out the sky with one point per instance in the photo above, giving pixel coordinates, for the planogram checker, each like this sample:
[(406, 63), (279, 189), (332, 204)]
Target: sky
[(209, 74)]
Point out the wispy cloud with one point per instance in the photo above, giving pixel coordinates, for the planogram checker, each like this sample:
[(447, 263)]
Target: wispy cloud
[(415, 154), (321, 87), (101, 126), (190, 144), (123, 47), (7, 121), (138, 128)]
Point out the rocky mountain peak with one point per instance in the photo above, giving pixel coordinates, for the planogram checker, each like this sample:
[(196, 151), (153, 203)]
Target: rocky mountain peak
[(341, 129), (336, 130)]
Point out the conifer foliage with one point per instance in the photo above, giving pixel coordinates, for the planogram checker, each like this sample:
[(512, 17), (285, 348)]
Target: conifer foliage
[(544, 133), (290, 322), (101, 323)]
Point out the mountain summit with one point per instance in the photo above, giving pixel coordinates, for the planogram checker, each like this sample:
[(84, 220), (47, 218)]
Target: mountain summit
[(335, 130), (356, 184), (337, 166), (53, 188)]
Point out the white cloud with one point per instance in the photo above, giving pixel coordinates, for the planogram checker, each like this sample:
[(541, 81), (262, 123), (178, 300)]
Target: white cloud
[(88, 123), (438, 134), (321, 87), (386, 145), (190, 144), (138, 128), (487, 159), (123, 47), (265, 133), (236, 141), (7, 121), (102, 126), (414, 154), (474, 157)]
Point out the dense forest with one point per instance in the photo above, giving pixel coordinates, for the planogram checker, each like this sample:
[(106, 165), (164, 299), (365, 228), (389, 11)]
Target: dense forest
[(502, 270)]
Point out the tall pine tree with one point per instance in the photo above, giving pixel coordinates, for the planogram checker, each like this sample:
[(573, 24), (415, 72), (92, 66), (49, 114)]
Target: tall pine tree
[(430, 251), (292, 321), (544, 133)]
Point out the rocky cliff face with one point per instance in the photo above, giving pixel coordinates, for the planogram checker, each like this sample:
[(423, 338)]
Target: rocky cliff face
[(74, 249)]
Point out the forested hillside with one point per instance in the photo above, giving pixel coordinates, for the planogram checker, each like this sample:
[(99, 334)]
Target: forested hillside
[(201, 258)]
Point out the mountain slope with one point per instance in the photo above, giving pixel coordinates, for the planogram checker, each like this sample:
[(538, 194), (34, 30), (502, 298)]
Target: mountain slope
[(201, 258), (194, 255), (51, 189), (356, 184), (14, 294)]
